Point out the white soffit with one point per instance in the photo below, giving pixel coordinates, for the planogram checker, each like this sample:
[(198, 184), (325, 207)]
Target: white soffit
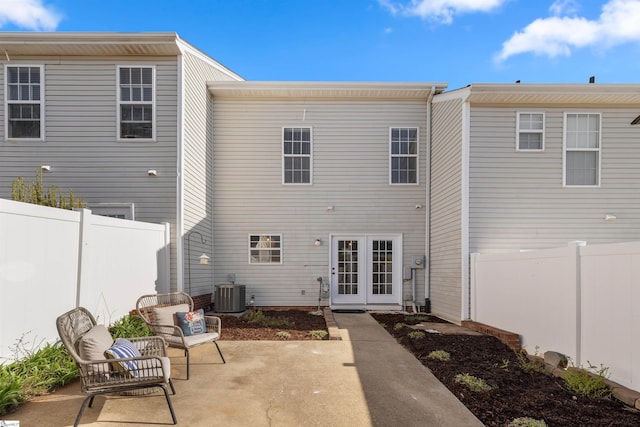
[(253, 89), (550, 94), (19, 44)]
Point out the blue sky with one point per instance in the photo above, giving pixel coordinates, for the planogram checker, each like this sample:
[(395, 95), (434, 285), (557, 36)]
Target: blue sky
[(454, 41)]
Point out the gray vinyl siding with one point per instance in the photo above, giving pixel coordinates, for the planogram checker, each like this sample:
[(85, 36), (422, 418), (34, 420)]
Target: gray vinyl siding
[(81, 138), (350, 173), (446, 210), (517, 200), (198, 170)]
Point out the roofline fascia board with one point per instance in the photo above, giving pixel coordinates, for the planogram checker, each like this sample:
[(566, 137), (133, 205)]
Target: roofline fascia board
[(24, 37)]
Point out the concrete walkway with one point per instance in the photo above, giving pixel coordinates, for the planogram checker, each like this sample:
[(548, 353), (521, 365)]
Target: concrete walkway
[(366, 379), (398, 389)]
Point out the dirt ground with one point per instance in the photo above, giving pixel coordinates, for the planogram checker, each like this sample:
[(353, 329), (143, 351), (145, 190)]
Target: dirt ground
[(516, 392)]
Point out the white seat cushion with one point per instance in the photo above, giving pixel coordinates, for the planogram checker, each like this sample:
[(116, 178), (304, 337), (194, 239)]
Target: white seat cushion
[(192, 340), (166, 315), (149, 368)]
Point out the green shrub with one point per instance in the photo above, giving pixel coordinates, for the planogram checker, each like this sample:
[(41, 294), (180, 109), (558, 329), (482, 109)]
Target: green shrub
[(319, 334), (416, 335), (128, 327), (39, 372), (10, 391), (35, 193), (440, 355), (590, 383), (472, 383), (399, 326), (527, 422)]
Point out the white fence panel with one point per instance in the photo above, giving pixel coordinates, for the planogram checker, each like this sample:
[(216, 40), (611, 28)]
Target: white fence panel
[(610, 282), (38, 271), (122, 260), (532, 292), (581, 301), (52, 260)]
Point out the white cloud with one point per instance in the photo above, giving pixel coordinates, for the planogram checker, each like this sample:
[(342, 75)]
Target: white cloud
[(28, 14), (564, 7), (558, 35), (441, 11)]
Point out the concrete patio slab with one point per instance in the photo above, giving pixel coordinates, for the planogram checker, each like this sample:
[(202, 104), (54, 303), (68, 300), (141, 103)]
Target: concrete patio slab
[(365, 379)]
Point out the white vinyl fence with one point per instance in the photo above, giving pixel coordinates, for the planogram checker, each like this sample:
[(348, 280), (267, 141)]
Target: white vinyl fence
[(582, 301), (52, 260)]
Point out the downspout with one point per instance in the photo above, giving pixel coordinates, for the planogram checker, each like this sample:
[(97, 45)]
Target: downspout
[(179, 244), (427, 270)]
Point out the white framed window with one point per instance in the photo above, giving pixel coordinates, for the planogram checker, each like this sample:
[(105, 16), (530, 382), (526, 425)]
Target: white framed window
[(582, 149), (136, 102), (530, 132), (296, 155), (114, 210), (265, 249), (24, 102), (403, 155)]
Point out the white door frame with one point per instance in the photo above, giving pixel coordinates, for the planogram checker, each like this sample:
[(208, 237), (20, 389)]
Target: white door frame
[(366, 297)]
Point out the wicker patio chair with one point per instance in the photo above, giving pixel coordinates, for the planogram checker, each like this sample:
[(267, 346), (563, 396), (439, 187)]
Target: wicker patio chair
[(98, 374), (158, 312)]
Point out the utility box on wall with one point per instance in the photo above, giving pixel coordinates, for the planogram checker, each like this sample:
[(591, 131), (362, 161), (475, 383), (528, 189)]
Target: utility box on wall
[(418, 261), (229, 298)]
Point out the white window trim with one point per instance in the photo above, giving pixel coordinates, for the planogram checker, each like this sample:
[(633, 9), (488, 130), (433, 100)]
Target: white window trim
[(541, 131), (265, 234), (153, 104), (41, 102), (564, 150), (303, 155), (417, 156)]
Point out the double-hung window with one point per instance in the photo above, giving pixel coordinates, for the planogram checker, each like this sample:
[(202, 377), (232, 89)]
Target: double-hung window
[(403, 149), (265, 249), (530, 132), (296, 155), (24, 101), (582, 149), (136, 98)]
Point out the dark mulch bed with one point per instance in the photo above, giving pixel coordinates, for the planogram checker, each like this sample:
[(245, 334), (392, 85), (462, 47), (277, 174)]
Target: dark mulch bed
[(518, 392), (297, 323)]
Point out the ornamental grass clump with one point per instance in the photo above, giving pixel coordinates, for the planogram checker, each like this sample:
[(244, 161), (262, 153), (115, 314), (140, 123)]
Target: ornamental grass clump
[(283, 335), (473, 383), (416, 335), (319, 334), (259, 318), (527, 422), (440, 355)]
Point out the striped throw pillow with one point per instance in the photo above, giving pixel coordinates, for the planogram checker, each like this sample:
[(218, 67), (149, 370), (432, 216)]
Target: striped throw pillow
[(123, 349)]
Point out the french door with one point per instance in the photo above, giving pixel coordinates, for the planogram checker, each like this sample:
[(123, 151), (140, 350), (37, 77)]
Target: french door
[(365, 270)]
